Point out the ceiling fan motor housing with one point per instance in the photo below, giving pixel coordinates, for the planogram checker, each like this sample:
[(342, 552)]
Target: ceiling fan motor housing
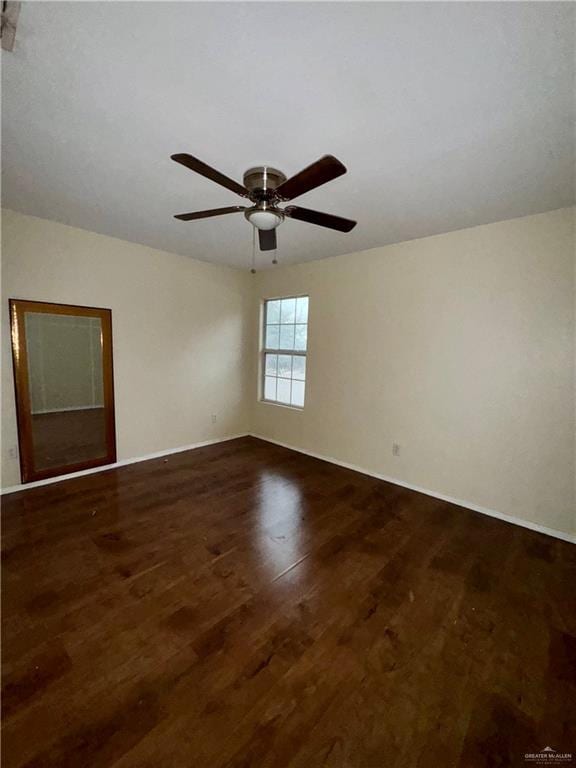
[(261, 182)]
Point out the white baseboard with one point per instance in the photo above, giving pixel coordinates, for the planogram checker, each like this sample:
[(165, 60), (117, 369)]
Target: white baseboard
[(121, 463), (571, 538)]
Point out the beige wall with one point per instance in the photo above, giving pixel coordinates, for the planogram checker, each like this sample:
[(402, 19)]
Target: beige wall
[(179, 332), (460, 348)]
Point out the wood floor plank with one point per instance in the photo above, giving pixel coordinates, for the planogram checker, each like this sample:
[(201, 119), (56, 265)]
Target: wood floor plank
[(245, 606)]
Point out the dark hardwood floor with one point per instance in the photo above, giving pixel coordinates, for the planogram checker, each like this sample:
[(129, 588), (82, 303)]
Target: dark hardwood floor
[(245, 606)]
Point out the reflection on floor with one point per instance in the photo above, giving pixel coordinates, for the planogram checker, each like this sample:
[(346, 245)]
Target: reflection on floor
[(245, 605), (68, 437)]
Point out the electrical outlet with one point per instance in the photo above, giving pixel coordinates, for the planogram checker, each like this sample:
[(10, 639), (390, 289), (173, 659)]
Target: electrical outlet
[(13, 453), (213, 418), (395, 449)]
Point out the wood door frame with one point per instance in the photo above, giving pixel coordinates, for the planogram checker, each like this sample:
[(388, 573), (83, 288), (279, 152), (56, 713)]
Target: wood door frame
[(18, 307)]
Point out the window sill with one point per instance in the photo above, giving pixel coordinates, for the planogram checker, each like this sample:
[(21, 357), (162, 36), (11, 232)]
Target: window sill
[(282, 405)]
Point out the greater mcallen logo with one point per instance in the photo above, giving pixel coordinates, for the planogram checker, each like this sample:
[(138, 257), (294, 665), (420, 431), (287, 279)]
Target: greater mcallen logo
[(548, 756)]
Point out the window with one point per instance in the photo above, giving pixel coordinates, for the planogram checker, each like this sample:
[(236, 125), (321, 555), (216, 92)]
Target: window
[(284, 350)]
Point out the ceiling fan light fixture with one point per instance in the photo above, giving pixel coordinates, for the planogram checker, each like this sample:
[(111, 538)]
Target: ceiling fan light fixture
[(264, 219)]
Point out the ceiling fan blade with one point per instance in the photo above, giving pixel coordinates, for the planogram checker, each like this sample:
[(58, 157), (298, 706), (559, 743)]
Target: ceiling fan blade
[(267, 239), (320, 172), (211, 212), (210, 173), (322, 219)]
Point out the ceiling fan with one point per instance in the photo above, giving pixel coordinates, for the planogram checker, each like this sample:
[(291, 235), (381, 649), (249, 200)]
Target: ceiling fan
[(266, 188)]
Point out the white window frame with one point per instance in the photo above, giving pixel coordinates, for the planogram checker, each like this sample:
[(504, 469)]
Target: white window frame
[(264, 350)]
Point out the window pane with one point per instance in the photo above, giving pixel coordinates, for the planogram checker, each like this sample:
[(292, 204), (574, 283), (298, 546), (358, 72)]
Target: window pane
[(302, 309), (272, 336), (272, 312), (271, 365), (300, 337), (285, 366), (270, 388), (286, 328), (286, 336), (288, 311), (283, 391), (299, 367), (298, 393)]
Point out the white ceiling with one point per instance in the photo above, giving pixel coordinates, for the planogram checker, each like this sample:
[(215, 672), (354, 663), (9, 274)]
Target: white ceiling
[(447, 115)]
